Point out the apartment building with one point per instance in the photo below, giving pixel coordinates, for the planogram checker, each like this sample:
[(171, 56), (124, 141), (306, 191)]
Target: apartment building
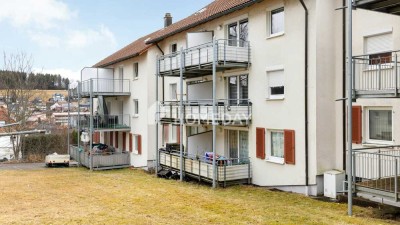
[(244, 82)]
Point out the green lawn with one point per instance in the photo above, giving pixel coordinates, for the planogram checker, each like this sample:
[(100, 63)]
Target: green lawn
[(78, 196)]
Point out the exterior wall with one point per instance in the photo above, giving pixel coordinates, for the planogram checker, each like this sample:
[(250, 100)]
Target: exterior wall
[(142, 88), (286, 51), (368, 23)]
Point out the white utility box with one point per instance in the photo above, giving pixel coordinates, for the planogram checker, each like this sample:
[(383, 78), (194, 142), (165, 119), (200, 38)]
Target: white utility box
[(56, 159), (333, 183)]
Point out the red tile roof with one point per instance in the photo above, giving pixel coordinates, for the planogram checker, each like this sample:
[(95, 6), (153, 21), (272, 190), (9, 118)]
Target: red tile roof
[(212, 11)]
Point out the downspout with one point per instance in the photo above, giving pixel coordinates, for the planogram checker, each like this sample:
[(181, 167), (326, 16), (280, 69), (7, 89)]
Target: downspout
[(306, 88), (344, 86)]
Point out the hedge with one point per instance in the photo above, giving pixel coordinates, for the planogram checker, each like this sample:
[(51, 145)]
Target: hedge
[(36, 147)]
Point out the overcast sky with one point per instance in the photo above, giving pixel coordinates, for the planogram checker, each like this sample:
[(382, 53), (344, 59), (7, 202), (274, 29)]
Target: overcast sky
[(63, 36)]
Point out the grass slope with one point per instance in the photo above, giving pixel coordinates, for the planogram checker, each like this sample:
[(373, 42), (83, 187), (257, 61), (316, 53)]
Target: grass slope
[(78, 196)]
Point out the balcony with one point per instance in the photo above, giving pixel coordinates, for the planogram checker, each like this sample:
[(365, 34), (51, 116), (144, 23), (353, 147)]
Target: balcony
[(376, 75), (229, 171), (384, 6), (377, 172), (100, 161), (198, 60), (105, 87), (107, 122), (229, 112)]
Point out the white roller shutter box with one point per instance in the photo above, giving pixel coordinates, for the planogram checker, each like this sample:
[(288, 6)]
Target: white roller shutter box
[(379, 43)]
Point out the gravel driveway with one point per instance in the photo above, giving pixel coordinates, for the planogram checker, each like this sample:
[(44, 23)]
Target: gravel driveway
[(22, 166)]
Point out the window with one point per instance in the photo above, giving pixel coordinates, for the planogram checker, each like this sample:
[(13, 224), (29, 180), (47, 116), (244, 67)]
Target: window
[(275, 22), (173, 91), (277, 144), (380, 125), (281, 147), (379, 48), (238, 145), (136, 107), (275, 86), (238, 33), (136, 141), (174, 48), (136, 70), (238, 92)]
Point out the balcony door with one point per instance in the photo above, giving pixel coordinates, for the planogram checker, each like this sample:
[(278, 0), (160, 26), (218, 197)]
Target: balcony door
[(238, 149), (238, 92)]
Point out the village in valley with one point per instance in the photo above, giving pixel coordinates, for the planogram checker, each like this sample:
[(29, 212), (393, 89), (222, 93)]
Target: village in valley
[(200, 112)]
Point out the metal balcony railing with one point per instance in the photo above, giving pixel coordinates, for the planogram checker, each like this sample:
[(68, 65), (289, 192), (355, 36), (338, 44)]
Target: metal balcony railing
[(107, 122), (229, 170), (229, 111), (98, 86), (230, 53), (99, 161), (376, 74), (377, 170)]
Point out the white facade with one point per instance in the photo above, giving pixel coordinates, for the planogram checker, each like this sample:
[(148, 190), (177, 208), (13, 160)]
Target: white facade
[(277, 59)]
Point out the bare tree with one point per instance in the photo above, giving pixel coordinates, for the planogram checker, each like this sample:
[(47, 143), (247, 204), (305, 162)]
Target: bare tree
[(18, 93)]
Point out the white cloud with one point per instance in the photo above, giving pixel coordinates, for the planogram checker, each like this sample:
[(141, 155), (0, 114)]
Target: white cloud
[(43, 14), (67, 73), (45, 40), (85, 38)]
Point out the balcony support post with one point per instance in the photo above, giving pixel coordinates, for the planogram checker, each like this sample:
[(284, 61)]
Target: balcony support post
[(181, 115), (214, 125), (157, 118), (69, 119), (396, 72), (79, 120), (349, 52), (395, 178), (91, 125)]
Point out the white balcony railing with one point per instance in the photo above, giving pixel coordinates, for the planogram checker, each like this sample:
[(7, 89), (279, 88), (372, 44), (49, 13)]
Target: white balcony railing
[(229, 111), (376, 74), (229, 52), (98, 86)]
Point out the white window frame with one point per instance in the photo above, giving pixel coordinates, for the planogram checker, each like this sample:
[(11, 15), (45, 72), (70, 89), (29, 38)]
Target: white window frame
[(135, 146), (269, 157), (170, 47), (366, 131), (268, 94), (237, 21), (135, 107), (136, 73), (238, 99), (227, 150), (173, 131), (269, 21)]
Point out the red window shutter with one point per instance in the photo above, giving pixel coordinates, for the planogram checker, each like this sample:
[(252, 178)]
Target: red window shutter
[(289, 146), (357, 124), (112, 138), (178, 134), (124, 141), (260, 143), (96, 137), (130, 142), (139, 138), (116, 139)]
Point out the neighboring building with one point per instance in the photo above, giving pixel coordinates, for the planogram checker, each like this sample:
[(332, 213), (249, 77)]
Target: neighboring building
[(278, 119)]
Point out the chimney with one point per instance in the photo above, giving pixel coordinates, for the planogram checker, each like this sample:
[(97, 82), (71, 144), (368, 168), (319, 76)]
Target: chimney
[(167, 19)]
